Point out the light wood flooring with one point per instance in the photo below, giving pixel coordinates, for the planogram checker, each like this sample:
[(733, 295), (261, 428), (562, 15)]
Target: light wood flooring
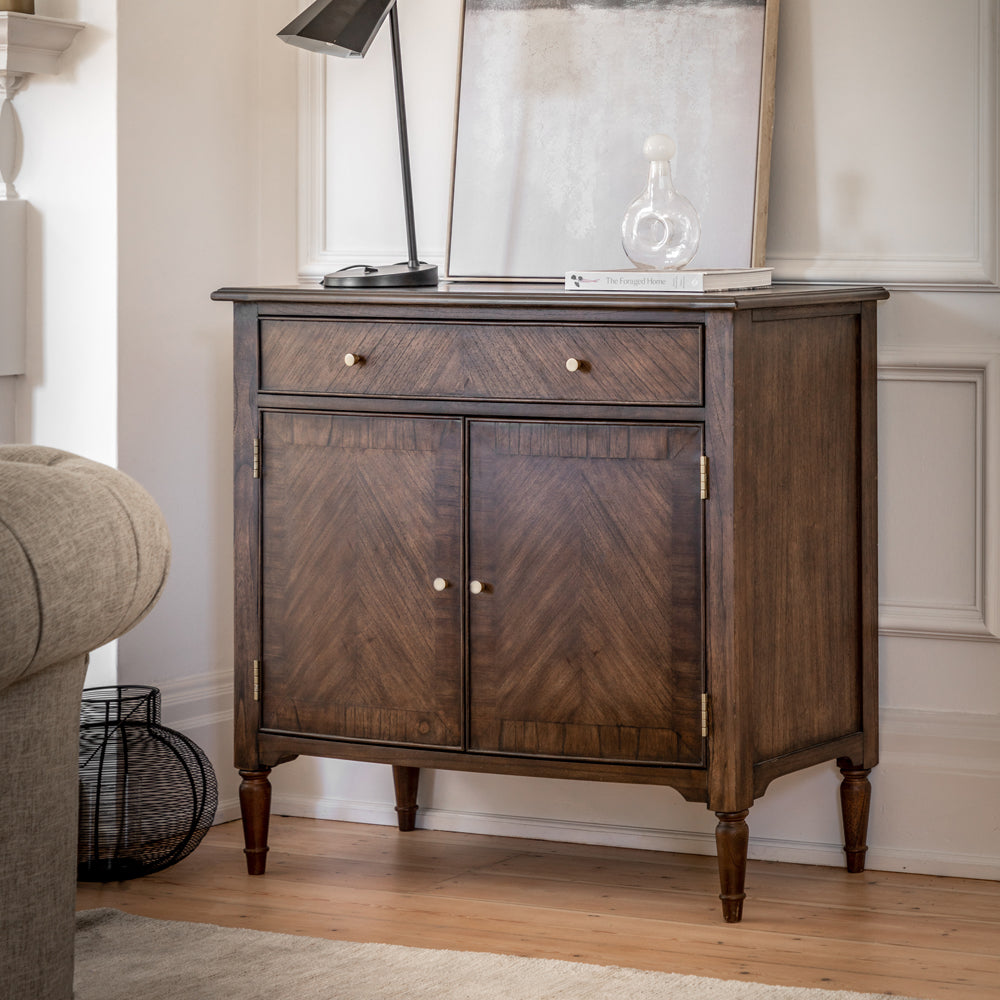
[(803, 925)]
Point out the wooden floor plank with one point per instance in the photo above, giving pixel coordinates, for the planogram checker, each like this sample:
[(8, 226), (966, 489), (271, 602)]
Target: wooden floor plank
[(921, 936)]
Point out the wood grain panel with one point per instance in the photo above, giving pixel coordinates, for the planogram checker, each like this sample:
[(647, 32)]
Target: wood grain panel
[(656, 365), (799, 521), (601, 525), (246, 537), (360, 514)]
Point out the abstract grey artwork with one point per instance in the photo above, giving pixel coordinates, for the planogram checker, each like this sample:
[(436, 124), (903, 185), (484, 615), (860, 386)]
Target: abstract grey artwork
[(556, 98)]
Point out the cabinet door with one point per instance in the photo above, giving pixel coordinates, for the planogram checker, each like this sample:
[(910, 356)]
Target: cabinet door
[(360, 515), (586, 640)]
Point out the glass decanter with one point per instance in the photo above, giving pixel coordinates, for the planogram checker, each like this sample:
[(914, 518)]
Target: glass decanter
[(661, 229)]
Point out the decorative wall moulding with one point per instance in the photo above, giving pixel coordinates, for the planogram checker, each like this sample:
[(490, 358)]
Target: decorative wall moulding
[(979, 620), (979, 273)]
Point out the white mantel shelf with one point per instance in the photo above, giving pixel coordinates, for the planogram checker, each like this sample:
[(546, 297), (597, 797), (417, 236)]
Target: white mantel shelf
[(30, 43)]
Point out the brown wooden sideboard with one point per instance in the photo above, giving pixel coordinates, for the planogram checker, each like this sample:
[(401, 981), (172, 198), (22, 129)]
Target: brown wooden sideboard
[(524, 530)]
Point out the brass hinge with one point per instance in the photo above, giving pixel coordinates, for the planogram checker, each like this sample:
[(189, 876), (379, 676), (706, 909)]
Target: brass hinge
[(704, 477), (256, 680), (256, 458), (704, 716)]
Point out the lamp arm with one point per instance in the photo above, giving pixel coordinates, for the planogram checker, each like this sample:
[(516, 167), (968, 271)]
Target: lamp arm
[(404, 146)]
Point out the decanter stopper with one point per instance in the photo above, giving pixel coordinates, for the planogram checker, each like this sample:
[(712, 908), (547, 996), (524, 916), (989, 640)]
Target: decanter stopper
[(661, 229)]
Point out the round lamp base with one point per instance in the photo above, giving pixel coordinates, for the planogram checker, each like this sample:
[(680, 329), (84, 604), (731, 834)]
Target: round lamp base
[(389, 276)]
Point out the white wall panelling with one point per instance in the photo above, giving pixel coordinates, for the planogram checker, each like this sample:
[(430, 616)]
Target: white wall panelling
[(940, 482), (936, 798), (881, 171)]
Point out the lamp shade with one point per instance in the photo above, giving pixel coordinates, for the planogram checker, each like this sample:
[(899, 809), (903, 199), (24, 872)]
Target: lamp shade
[(337, 27)]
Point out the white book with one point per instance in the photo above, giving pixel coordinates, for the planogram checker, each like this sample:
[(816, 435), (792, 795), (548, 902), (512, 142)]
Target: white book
[(710, 280)]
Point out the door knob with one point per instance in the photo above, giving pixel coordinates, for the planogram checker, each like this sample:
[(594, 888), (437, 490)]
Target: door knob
[(441, 584), (478, 587), (576, 365), (352, 359)]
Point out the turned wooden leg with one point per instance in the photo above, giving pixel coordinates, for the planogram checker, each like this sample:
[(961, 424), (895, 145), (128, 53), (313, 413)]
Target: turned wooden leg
[(732, 837), (405, 779), (855, 801), (255, 808)]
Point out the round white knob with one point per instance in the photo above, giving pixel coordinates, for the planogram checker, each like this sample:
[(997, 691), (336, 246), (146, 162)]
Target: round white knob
[(440, 584), (352, 359), (573, 364), (477, 587)]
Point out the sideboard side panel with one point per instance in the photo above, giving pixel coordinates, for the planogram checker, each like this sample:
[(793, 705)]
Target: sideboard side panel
[(246, 537), (728, 680), (799, 526)]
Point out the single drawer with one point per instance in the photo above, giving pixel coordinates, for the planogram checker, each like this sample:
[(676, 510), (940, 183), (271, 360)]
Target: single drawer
[(607, 364)]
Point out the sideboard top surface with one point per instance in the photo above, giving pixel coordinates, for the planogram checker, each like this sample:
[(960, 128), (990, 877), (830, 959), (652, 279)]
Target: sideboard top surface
[(542, 295)]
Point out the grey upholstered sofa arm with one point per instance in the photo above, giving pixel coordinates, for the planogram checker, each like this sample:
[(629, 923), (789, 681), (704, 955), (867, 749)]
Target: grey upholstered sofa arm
[(84, 553)]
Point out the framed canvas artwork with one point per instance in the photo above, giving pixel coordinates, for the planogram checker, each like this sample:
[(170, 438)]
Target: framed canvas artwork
[(555, 100)]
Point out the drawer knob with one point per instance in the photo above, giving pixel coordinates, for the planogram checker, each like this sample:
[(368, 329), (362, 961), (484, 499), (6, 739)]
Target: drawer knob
[(477, 587), (352, 359), (441, 584), (575, 365)]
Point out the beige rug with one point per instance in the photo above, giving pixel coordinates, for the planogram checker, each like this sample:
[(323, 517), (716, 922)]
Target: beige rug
[(123, 957)]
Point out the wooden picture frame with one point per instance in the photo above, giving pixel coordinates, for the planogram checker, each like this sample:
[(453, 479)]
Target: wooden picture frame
[(555, 100)]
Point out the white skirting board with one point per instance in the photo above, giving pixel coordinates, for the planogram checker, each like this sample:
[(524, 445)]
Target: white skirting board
[(13, 276)]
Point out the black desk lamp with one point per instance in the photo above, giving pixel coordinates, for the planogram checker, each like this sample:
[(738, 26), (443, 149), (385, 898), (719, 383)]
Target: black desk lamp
[(347, 28)]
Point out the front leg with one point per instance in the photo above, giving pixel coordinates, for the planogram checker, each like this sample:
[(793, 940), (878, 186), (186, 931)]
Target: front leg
[(255, 808), (405, 780), (855, 803), (732, 838)]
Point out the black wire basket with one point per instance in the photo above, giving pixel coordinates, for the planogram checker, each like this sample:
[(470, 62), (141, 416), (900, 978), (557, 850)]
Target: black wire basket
[(148, 794)]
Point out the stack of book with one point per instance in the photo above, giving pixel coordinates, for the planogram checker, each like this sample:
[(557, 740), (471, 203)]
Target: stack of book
[(634, 280)]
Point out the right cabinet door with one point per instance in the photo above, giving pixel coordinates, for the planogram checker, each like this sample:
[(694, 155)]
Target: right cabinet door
[(586, 570)]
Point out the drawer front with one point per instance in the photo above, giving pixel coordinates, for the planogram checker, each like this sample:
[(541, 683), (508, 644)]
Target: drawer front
[(613, 364)]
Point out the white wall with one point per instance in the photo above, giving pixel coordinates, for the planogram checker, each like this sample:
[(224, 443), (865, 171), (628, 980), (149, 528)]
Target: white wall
[(206, 158), (885, 171)]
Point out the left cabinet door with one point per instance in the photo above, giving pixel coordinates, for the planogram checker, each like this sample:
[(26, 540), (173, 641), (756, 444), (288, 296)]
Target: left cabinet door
[(360, 518)]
